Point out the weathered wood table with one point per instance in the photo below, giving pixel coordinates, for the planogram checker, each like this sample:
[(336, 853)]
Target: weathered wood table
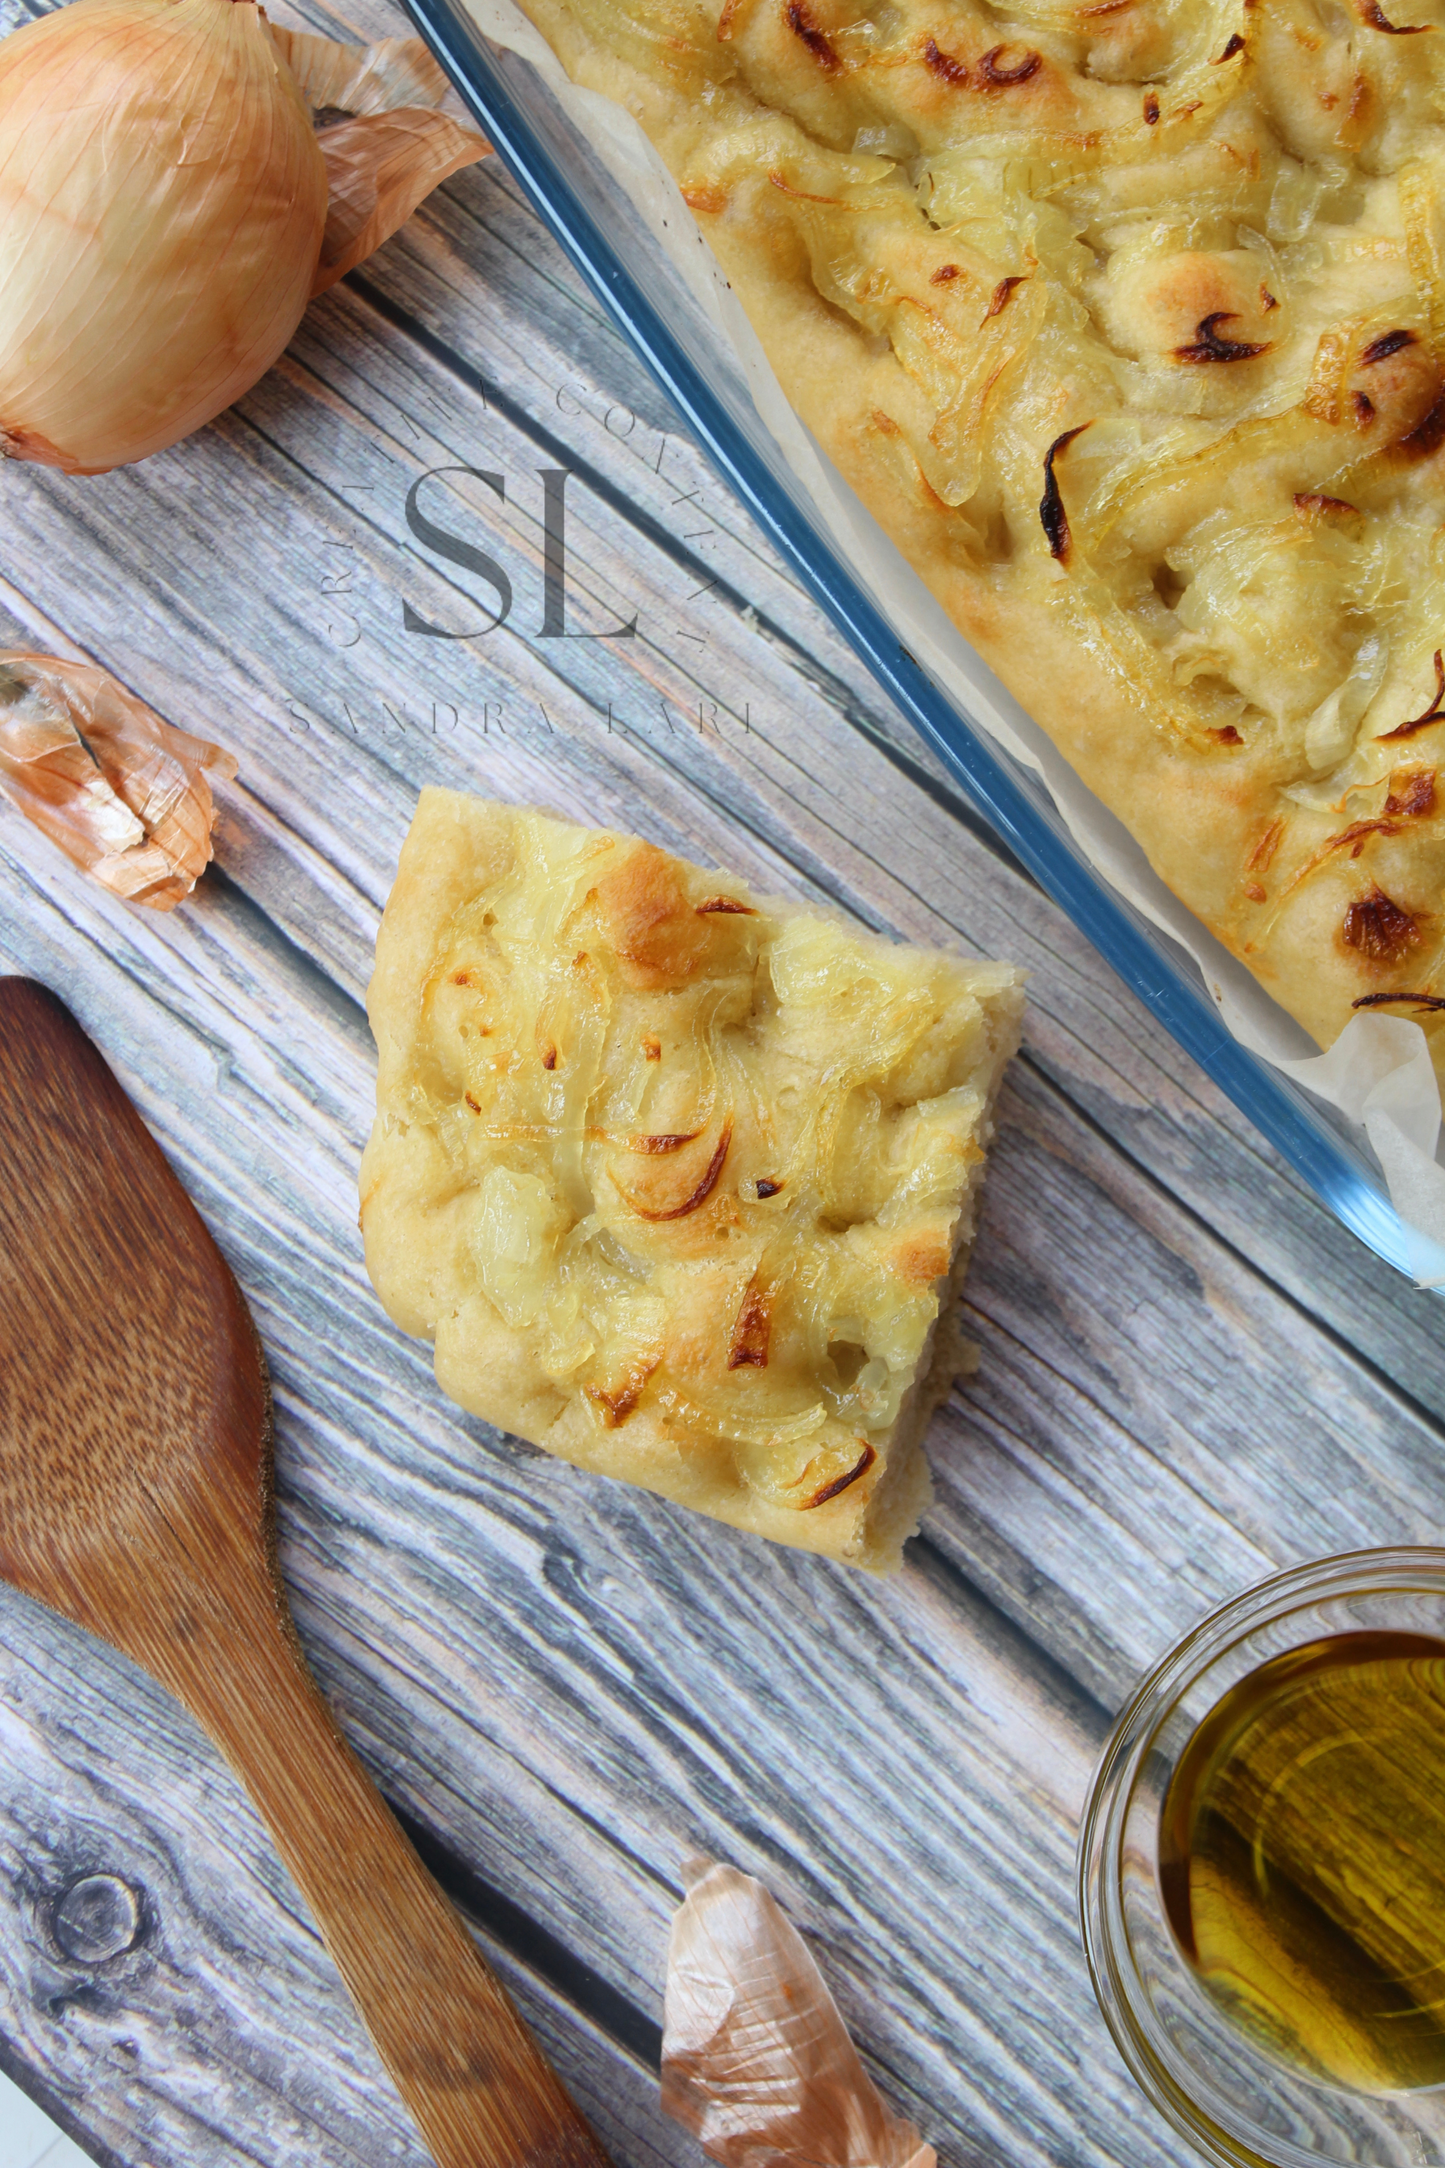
[(1190, 1375)]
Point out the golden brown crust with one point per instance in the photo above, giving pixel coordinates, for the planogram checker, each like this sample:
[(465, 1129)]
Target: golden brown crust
[(675, 1179), (1127, 325)]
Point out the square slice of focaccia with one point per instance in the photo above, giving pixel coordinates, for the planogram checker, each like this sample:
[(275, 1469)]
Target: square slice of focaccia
[(680, 1182), (1127, 321)]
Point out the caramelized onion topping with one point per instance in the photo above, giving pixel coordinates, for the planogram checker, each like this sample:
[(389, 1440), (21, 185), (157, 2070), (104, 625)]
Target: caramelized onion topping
[(1379, 928), (1388, 343), (1003, 78), (1432, 714), (1208, 346), (751, 1328), (704, 1188), (841, 1482), (1428, 1004), (802, 26), (945, 66), (1054, 519)]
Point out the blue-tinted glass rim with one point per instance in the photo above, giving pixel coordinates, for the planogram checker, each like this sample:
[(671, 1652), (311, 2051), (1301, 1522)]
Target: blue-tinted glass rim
[(1274, 1106)]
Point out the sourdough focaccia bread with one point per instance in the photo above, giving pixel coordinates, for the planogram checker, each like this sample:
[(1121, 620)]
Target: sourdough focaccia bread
[(680, 1183), (1126, 321)]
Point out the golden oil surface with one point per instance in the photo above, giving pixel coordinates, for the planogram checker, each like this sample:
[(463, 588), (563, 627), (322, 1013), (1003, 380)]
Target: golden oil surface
[(1302, 1859)]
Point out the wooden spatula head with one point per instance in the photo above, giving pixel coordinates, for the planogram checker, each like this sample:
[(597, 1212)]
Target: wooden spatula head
[(125, 1344)]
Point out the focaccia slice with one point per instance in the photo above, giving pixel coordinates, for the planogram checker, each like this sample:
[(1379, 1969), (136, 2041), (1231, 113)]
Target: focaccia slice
[(1127, 321), (680, 1182)]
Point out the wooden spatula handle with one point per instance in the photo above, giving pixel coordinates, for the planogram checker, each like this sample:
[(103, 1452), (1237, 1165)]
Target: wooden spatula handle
[(444, 2025)]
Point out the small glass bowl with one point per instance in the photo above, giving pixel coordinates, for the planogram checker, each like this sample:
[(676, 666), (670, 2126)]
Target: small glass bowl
[(1241, 2108)]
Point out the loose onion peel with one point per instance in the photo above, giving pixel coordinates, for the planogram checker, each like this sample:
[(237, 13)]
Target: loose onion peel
[(168, 205), (756, 2060), (122, 793)]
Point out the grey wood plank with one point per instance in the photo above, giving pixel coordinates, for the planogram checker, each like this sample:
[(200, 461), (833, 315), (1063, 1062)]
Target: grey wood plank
[(223, 2034)]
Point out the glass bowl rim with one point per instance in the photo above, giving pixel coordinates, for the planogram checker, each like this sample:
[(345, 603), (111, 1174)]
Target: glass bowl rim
[(1387, 1570)]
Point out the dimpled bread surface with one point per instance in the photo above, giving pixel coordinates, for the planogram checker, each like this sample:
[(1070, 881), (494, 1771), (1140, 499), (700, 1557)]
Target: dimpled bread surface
[(680, 1182), (1126, 322)]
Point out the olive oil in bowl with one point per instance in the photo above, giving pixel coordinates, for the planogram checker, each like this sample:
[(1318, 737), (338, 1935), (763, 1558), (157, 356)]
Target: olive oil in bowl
[(1301, 1859)]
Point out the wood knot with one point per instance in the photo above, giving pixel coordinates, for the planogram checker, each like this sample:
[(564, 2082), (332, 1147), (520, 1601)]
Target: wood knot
[(100, 1916)]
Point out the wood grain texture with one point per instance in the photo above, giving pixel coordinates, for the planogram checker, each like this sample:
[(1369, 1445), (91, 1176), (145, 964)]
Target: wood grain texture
[(136, 1483), (1189, 1373)]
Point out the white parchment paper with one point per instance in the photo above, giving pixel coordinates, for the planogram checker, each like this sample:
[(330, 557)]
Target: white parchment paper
[(1378, 1072)]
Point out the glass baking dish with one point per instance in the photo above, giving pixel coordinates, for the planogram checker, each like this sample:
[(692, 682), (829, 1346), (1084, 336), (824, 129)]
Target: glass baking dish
[(597, 225)]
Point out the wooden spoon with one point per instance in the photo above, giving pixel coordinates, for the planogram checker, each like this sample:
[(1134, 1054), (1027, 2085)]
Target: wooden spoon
[(136, 1498)]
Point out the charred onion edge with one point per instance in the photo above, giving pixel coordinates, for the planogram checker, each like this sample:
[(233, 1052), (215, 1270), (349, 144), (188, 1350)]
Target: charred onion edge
[(1313, 500), (727, 904), (748, 1345), (1001, 78), (1427, 436), (1432, 714), (616, 1407), (704, 1188), (1208, 346), (1001, 295), (1235, 45), (1388, 343), (802, 26), (1379, 928), (1418, 794), (840, 1483), (1052, 516), (1425, 1002), (1372, 13), (1151, 109), (766, 1186), (944, 65)]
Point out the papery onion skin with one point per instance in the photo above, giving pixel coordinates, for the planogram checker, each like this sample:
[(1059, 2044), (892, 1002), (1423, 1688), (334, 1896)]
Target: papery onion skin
[(162, 203)]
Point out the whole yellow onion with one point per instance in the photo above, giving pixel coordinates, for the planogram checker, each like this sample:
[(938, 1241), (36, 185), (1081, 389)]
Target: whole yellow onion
[(167, 209), (162, 202)]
